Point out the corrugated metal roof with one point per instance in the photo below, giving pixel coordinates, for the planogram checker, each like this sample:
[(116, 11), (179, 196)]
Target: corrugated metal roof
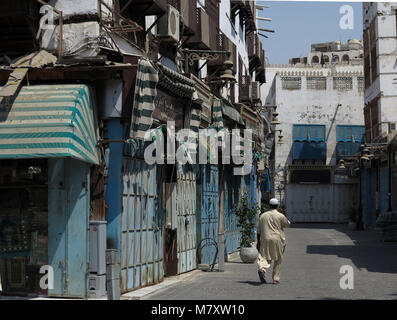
[(49, 121)]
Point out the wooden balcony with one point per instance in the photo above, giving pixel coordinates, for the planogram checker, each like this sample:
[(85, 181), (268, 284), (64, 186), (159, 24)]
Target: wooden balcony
[(254, 51), (244, 89), (221, 44), (201, 38), (248, 13)]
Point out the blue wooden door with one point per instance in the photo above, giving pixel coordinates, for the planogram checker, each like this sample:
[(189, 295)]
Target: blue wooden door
[(209, 213), (68, 223), (141, 254)]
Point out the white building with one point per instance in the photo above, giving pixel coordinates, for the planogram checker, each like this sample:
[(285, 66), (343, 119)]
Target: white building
[(380, 69), (320, 110)]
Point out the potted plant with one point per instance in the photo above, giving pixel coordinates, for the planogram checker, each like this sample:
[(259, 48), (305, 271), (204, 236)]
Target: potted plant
[(352, 219), (246, 222)]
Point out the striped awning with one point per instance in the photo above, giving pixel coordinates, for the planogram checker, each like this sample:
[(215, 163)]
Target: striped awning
[(145, 93), (49, 121)]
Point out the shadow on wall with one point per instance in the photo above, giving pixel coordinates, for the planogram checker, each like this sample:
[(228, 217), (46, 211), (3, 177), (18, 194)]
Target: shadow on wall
[(368, 251)]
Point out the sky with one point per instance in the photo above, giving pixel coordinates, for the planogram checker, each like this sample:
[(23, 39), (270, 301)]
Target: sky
[(299, 24)]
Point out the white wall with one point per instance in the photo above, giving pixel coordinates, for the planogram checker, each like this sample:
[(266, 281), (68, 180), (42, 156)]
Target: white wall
[(306, 106), (385, 28)]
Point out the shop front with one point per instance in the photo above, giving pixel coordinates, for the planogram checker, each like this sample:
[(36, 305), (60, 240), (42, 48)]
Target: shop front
[(48, 137)]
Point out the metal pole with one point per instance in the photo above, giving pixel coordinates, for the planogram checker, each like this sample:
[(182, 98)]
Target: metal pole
[(221, 235)]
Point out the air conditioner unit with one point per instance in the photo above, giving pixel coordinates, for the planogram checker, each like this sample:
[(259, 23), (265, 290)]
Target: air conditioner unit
[(255, 91), (168, 25)]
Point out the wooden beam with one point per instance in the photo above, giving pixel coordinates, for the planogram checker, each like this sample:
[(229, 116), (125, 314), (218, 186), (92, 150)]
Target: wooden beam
[(14, 82)]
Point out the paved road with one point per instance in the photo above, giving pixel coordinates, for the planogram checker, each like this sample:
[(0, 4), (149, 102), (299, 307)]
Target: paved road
[(310, 270)]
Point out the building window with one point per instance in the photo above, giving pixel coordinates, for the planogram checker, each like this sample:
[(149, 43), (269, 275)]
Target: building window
[(315, 59), (291, 83), (309, 132), (343, 83), (360, 84), (345, 59), (316, 83), (350, 133)]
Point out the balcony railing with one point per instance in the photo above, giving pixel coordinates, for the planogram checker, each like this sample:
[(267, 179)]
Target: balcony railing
[(221, 44)]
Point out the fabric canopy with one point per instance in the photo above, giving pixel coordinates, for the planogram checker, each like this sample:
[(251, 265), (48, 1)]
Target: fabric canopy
[(49, 121), (145, 92)]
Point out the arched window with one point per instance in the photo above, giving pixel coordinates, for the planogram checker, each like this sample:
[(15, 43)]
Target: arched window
[(326, 59), (315, 60), (345, 59), (335, 59)]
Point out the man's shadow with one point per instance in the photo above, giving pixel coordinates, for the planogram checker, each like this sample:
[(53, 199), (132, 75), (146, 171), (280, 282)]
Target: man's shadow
[(254, 283)]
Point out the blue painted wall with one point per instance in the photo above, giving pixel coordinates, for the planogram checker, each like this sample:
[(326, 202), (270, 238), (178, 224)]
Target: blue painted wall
[(68, 223), (113, 188)]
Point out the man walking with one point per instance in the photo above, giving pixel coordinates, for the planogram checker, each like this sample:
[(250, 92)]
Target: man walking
[(271, 241)]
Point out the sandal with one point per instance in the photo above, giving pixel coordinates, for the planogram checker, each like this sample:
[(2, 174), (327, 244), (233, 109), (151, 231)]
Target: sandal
[(276, 282), (261, 274)]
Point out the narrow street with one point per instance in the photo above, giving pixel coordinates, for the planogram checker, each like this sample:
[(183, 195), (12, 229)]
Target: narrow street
[(310, 270)]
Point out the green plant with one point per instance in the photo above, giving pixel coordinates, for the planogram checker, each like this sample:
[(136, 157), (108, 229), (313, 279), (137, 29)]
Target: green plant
[(246, 220), (352, 215)]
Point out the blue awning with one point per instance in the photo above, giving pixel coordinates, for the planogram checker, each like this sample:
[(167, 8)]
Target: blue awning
[(305, 150), (347, 149), (49, 121)]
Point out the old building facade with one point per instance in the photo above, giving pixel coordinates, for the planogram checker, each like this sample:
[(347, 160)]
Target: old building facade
[(117, 69), (378, 161), (318, 101)]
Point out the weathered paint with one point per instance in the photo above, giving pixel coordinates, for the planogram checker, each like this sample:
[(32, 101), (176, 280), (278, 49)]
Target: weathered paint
[(209, 202), (68, 215), (142, 257), (186, 220), (113, 188), (305, 106), (320, 203)]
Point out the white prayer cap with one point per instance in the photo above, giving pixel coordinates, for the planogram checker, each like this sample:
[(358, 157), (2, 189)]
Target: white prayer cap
[(273, 202)]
